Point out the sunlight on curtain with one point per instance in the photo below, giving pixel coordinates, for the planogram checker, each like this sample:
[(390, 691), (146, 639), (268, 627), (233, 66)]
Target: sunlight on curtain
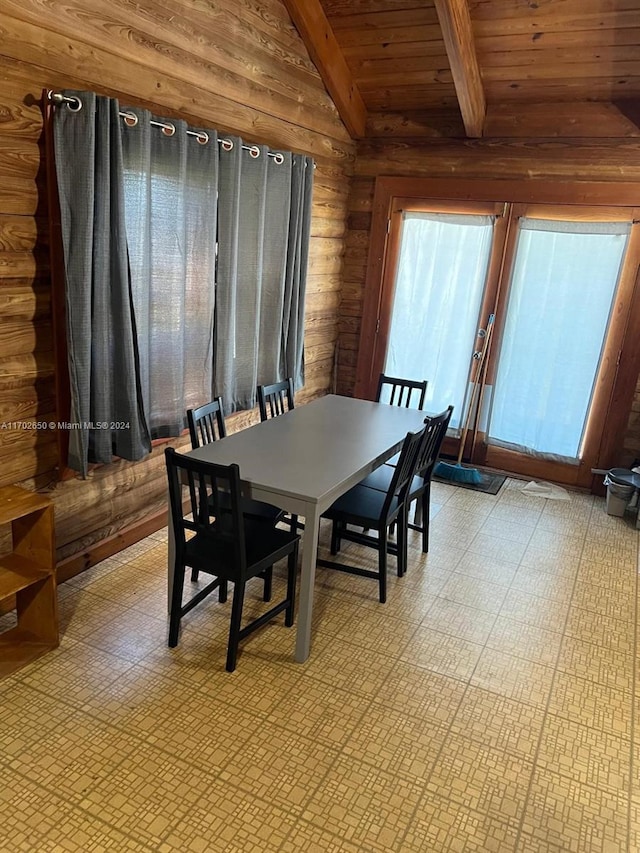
[(564, 280), (439, 284)]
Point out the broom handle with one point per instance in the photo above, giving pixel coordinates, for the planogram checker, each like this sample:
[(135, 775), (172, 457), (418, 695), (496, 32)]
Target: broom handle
[(476, 386)]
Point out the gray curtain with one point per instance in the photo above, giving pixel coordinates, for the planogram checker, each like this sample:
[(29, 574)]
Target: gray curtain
[(264, 210), (186, 270), (103, 354), (296, 269), (171, 186)]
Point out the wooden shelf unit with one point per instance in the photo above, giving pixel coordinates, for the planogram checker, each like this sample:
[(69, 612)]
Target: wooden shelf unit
[(28, 573)]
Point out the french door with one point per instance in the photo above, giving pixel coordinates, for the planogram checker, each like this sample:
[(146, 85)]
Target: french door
[(559, 280)]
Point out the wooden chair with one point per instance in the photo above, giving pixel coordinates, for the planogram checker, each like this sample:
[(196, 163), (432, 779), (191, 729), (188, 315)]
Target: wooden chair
[(420, 487), (275, 399), (372, 509), (409, 393), (223, 543)]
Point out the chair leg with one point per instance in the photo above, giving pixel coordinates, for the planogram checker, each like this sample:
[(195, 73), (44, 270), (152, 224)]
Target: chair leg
[(294, 523), (222, 591), (234, 628), (335, 537), (176, 606), (292, 571), (425, 502), (195, 574), (382, 564), (268, 584), (402, 543)]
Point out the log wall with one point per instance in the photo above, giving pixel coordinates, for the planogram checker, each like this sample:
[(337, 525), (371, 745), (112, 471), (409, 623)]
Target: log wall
[(236, 65), (601, 159)]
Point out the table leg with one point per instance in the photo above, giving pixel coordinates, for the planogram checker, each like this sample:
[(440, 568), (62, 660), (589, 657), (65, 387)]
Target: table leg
[(307, 581)]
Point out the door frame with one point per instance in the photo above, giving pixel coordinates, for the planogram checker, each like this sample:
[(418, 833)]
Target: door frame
[(617, 378)]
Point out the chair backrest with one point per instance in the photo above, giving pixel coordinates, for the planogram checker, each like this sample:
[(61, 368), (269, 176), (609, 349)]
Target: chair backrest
[(213, 504), (434, 432), (206, 423), (275, 399), (409, 393), (404, 471)]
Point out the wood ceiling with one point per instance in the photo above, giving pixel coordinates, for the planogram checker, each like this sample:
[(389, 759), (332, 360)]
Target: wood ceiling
[(478, 67)]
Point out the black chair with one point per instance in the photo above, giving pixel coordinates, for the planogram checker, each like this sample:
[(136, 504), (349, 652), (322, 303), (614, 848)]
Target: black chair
[(409, 393), (213, 536), (275, 399), (420, 487), (206, 424), (376, 510)]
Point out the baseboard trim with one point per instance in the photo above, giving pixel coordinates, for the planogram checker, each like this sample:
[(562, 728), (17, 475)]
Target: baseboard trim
[(83, 560)]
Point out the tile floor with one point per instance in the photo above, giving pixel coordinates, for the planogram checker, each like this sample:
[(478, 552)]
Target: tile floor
[(490, 705)]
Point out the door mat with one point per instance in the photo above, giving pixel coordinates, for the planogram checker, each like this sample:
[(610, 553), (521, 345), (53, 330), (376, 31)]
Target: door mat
[(490, 484)]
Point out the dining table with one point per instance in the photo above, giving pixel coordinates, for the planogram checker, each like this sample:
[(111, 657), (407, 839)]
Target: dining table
[(303, 460)]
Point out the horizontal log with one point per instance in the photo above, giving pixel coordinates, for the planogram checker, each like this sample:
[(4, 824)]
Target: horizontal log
[(322, 283), (24, 302), (19, 195), (16, 370), (426, 123), (19, 158), (25, 403), (24, 265), (21, 233), (582, 119), (23, 337)]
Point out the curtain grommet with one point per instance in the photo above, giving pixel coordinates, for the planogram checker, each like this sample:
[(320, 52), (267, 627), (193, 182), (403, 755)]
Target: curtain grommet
[(278, 158), (168, 129), (202, 137), (74, 108), (227, 144), (130, 119), (254, 151)]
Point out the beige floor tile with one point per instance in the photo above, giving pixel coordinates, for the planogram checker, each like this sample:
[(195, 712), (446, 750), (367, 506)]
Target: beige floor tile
[(320, 712), (442, 653), (584, 755), (544, 584), (608, 602), (487, 781), (498, 723), (546, 613), (574, 818), (499, 572), (504, 550), (514, 531), (584, 660), (418, 692), (224, 820), (34, 819), (474, 592), (515, 513), (388, 635), (548, 560), (395, 742), (458, 620), (619, 579), (349, 667), (364, 805), (312, 839), (513, 677), (615, 634), (443, 826), (622, 554), (591, 704), (525, 641), (556, 544)]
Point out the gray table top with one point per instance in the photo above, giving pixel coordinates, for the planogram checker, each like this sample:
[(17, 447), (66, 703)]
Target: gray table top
[(315, 449)]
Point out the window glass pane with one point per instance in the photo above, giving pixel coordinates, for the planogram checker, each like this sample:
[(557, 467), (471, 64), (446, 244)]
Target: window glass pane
[(564, 279), (439, 284)]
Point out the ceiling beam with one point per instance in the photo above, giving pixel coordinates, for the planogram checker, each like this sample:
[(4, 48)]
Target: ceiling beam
[(457, 32), (315, 30)]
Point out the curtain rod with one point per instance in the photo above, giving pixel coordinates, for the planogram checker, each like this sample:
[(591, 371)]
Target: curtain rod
[(75, 105)]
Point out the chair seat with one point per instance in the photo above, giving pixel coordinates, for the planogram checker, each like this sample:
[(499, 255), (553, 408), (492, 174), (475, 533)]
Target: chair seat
[(264, 545), (362, 506), (380, 479)]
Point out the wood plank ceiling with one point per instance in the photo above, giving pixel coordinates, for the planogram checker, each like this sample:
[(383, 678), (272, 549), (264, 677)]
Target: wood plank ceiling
[(478, 67)]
